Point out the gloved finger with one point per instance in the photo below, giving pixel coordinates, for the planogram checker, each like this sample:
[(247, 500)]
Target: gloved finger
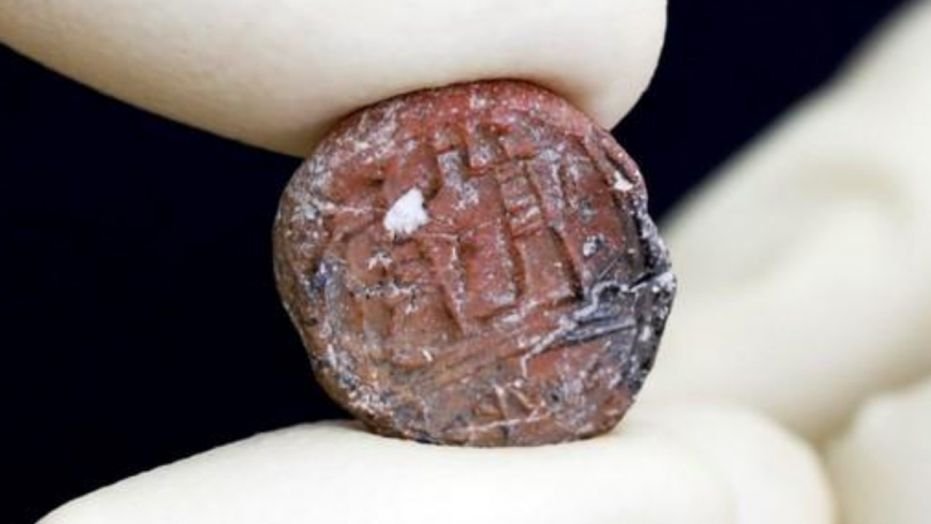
[(881, 467), (664, 469), (774, 477), (802, 267), (278, 74)]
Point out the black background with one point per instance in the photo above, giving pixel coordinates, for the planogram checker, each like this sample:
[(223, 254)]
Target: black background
[(138, 317)]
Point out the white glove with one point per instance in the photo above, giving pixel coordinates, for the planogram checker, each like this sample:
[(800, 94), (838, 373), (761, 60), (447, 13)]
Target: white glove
[(790, 312), (279, 73), (692, 464), (804, 267), (882, 466)]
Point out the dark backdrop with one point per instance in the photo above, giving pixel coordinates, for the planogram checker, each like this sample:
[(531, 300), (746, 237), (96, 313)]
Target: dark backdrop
[(138, 317)]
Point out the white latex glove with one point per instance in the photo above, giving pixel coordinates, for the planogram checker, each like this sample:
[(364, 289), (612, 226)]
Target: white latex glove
[(804, 267), (882, 465), (279, 73), (688, 464)]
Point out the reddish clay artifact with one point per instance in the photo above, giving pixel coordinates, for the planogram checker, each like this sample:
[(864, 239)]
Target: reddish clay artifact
[(474, 265)]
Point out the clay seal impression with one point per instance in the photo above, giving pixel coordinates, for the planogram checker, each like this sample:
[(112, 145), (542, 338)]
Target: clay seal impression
[(474, 265)]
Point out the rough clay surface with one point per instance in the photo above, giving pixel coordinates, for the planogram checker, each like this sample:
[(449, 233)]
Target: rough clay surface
[(474, 265)]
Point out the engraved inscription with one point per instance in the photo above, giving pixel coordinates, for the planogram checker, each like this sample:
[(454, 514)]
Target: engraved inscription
[(521, 304)]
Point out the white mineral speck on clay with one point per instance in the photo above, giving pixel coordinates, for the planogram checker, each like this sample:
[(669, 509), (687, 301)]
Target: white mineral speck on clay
[(379, 259), (590, 247), (621, 183), (646, 334), (407, 214)]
